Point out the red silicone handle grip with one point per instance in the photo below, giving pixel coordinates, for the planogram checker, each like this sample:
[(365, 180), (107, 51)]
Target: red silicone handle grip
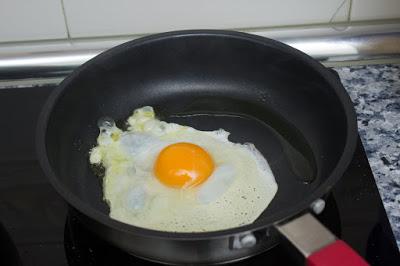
[(337, 253)]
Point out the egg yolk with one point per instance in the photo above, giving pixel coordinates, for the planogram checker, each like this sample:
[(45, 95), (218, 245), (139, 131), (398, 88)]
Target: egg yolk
[(183, 165)]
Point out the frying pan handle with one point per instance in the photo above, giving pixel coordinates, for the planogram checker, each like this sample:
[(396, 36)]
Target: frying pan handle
[(317, 244), (337, 253)]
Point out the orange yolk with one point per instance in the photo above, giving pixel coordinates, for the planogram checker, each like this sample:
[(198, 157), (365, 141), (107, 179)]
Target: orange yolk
[(183, 165)]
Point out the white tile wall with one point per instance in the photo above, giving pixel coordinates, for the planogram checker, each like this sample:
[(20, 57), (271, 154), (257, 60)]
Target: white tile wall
[(22, 20), (31, 20), (375, 9), (88, 18)]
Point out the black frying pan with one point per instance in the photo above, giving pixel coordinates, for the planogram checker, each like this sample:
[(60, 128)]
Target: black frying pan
[(292, 108)]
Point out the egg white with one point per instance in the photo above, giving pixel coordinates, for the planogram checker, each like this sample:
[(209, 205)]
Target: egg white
[(237, 192)]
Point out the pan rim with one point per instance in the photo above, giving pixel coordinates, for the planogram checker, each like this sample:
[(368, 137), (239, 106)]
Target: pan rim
[(104, 219)]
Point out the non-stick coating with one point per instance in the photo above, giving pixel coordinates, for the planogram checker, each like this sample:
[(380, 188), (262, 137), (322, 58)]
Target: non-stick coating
[(258, 89)]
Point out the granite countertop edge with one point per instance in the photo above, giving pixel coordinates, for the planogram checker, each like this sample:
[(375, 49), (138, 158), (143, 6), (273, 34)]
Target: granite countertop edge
[(375, 92)]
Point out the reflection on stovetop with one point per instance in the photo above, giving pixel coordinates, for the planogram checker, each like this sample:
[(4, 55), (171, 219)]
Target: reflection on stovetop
[(353, 212), (84, 248), (33, 216), (8, 251)]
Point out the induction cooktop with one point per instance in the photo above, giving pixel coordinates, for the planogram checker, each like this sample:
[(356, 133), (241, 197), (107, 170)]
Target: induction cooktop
[(37, 228)]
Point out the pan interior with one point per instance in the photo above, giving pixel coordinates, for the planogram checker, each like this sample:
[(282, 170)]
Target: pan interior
[(259, 92), (292, 163)]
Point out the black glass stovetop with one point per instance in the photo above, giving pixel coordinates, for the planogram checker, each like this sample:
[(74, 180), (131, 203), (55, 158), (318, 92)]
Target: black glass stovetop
[(37, 229)]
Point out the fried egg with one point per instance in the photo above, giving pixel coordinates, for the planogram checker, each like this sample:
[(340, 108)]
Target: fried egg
[(170, 177)]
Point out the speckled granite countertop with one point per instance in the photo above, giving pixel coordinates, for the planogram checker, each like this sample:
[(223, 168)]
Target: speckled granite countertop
[(375, 91)]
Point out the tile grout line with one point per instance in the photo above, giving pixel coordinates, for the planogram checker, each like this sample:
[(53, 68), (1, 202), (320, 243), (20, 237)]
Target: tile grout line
[(249, 29), (65, 19)]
